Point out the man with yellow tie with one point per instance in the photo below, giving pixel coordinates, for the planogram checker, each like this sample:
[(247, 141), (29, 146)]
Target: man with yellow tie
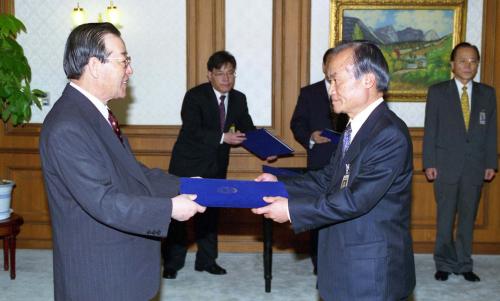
[(459, 153)]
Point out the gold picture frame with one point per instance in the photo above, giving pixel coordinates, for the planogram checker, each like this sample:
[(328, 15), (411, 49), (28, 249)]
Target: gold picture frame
[(416, 37)]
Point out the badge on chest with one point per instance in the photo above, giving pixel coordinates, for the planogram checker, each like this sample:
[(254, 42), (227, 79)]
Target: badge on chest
[(345, 178), (482, 117)]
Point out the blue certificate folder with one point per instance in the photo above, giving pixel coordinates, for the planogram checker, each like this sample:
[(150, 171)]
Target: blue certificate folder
[(277, 171), (264, 144), (231, 193), (332, 135)]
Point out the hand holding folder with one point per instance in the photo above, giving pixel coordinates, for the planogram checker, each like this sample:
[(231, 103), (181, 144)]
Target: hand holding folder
[(264, 144), (332, 135), (231, 193)]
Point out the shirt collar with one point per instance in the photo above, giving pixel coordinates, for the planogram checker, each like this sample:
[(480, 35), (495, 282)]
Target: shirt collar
[(102, 108), (460, 86), (218, 95), (358, 121)]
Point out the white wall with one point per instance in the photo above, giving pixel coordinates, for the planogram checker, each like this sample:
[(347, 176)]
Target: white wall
[(413, 113), (155, 35), (249, 38)]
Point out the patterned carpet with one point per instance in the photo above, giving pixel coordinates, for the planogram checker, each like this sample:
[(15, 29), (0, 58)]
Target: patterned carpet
[(292, 280)]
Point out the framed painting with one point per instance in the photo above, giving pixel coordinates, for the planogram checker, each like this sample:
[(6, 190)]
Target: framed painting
[(416, 38)]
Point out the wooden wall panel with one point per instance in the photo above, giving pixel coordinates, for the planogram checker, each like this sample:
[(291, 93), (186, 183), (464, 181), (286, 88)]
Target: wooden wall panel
[(7, 6), (241, 231), (205, 35)]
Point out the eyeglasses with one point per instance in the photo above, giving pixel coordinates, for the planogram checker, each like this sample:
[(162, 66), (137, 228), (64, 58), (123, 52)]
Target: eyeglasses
[(229, 74), (462, 62), (125, 62)]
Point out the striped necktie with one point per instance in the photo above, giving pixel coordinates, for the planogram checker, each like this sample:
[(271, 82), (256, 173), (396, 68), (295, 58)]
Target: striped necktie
[(114, 124), (222, 112), (346, 142)]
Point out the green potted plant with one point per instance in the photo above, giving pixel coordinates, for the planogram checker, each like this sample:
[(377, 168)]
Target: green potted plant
[(16, 95)]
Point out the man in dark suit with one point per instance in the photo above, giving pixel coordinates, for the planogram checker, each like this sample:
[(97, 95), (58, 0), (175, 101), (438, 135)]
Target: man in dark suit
[(313, 114), (459, 153), (361, 199), (108, 211), (214, 117)]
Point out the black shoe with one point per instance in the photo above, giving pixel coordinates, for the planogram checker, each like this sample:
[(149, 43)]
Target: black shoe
[(213, 269), (169, 273), (441, 275), (471, 276)]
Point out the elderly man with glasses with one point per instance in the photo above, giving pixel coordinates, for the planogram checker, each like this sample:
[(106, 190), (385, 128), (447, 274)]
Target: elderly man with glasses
[(459, 154), (107, 210)]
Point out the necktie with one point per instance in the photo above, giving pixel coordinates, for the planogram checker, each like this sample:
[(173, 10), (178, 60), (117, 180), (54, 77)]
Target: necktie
[(346, 142), (464, 101), (222, 112), (114, 124)]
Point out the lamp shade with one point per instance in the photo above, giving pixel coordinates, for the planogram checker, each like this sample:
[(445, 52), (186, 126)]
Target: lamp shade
[(113, 14), (78, 16)]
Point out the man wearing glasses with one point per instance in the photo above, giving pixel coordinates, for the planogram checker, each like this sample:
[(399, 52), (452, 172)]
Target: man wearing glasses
[(214, 118), (107, 210), (459, 153)]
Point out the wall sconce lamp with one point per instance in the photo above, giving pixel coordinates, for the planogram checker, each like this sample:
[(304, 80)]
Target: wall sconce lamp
[(79, 16), (113, 14)]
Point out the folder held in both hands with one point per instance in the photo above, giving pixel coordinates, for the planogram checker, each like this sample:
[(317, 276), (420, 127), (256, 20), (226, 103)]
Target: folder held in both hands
[(264, 144), (231, 193)]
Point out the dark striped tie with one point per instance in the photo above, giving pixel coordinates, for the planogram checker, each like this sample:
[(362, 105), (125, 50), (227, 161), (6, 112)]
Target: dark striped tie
[(222, 112), (346, 142), (114, 124)]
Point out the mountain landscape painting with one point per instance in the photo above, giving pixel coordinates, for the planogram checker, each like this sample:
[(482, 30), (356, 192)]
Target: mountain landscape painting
[(416, 43)]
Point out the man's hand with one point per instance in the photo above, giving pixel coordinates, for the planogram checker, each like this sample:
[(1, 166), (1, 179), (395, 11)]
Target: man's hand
[(184, 207), (277, 210), (234, 138), (271, 158), (317, 138), (266, 177), (431, 173), (489, 174)]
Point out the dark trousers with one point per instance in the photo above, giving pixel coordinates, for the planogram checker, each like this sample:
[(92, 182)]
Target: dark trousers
[(313, 248), (174, 247), (458, 200)]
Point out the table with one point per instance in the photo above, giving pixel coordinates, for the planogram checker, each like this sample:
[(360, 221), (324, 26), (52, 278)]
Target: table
[(267, 226), (9, 228)]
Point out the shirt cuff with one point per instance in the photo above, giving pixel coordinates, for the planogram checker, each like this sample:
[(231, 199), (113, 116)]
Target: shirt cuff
[(311, 143)]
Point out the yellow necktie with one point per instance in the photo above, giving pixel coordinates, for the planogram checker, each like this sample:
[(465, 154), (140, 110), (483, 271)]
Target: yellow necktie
[(464, 101)]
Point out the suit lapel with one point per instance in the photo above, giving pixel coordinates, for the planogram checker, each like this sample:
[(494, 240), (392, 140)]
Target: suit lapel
[(455, 106), (213, 104), (230, 109), (357, 144), (106, 134), (364, 133), (475, 106)]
